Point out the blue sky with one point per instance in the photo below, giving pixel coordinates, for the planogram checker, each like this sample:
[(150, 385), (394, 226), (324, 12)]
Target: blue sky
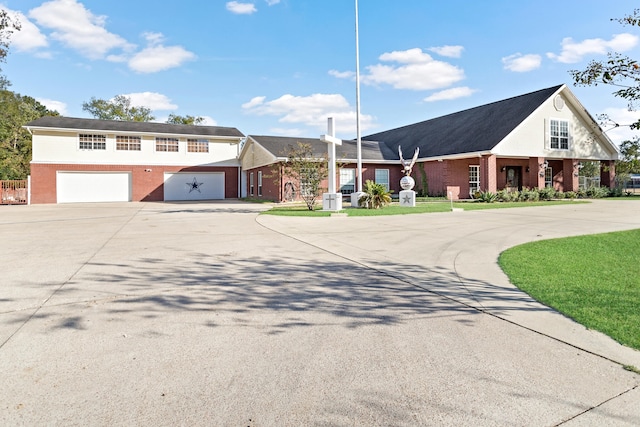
[(281, 67)]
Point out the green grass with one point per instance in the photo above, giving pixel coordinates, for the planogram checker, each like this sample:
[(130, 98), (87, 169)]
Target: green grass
[(594, 280), (396, 209)]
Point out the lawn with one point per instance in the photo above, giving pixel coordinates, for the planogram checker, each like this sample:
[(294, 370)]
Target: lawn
[(396, 209), (594, 280)]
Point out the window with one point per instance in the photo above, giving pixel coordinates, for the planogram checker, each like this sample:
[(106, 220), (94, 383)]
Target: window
[(548, 177), (92, 142), (347, 181), (382, 177), (167, 144), (251, 184), (474, 179), (128, 143), (197, 145), (259, 183), (559, 134)]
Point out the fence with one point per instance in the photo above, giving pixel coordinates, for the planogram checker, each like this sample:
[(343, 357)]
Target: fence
[(588, 181), (14, 192)]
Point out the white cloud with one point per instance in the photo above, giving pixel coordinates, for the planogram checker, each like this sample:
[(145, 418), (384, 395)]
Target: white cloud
[(51, 104), (209, 121), (342, 74), (312, 111), (417, 71), (449, 94), (241, 8), (158, 58), (76, 27), (29, 37), (152, 100), (448, 51), (520, 63), (573, 52), (272, 2)]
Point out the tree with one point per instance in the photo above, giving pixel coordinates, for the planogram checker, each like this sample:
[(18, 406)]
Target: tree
[(630, 161), (306, 171), (118, 108), (175, 119), (15, 142), (618, 70), (7, 27)]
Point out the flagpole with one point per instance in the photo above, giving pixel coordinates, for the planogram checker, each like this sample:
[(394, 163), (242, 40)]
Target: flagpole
[(358, 132)]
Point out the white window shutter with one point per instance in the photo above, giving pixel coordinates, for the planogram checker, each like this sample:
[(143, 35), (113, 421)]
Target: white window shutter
[(570, 131), (547, 138)]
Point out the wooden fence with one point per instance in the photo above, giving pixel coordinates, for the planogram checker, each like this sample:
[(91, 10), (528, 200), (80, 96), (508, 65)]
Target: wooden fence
[(14, 192)]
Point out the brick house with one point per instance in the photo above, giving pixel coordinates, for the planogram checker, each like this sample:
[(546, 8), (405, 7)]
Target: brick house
[(87, 160), (532, 140)]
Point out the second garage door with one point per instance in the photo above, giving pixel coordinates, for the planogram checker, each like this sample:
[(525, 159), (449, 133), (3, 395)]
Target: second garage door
[(194, 186)]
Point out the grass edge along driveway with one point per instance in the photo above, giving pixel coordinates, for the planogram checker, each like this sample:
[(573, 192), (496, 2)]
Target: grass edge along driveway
[(396, 209), (593, 279)]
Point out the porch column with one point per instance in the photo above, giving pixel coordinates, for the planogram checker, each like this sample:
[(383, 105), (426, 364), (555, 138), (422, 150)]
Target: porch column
[(535, 180), (570, 180), (608, 173), (488, 174)]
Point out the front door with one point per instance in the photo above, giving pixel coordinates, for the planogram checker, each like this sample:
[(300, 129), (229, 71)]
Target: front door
[(514, 178)]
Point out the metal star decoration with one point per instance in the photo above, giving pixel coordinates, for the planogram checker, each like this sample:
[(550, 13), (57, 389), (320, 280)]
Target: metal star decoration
[(195, 185)]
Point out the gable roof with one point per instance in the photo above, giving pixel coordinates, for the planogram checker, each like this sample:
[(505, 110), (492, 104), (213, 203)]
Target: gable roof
[(77, 124), (474, 130), (278, 145)]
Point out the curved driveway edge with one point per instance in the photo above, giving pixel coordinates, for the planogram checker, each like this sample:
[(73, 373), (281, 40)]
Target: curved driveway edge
[(455, 255)]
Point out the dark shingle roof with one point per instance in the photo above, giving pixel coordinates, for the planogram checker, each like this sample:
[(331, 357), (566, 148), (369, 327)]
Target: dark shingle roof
[(475, 130), (278, 146), (142, 127)]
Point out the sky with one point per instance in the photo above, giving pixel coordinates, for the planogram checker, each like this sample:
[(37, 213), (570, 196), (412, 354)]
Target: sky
[(281, 67)]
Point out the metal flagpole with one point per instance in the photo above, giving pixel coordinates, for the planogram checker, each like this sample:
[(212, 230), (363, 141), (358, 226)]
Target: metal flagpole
[(358, 133)]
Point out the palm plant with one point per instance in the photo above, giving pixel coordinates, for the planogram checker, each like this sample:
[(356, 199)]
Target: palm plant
[(375, 196)]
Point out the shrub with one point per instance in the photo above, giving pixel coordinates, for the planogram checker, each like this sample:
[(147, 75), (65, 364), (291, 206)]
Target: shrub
[(597, 192), (487, 197), (546, 193), (571, 195), (529, 195), (375, 195)]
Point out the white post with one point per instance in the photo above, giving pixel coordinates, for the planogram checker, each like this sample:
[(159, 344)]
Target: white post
[(358, 131), (331, 201), (355, 196), (332, 156)]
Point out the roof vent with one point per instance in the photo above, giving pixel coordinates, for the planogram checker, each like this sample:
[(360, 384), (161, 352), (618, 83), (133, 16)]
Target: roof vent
[(558, 102)]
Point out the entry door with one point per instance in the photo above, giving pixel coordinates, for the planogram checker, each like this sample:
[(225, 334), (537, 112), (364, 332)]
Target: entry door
[(514, 178)]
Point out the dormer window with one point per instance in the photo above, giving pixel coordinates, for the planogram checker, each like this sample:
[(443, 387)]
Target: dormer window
[(559, 134)]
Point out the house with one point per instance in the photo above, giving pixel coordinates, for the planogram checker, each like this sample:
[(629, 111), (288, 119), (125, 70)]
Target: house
[(534, 140), (87, 160)]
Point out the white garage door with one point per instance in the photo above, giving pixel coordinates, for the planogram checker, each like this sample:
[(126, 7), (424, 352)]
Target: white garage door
[(74, 187), (194, 186)]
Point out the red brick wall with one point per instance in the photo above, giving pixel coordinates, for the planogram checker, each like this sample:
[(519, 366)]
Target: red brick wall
[(146, 186)]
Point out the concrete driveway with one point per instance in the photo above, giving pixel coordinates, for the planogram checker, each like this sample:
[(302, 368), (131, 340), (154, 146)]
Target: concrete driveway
[(208, 314)]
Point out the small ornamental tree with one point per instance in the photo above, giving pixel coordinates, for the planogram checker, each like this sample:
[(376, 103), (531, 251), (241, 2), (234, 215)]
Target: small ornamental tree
[(306, 171), (375, 196)]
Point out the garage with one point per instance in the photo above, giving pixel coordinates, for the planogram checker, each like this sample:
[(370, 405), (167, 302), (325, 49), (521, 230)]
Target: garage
[(78, 187), (193, 186)]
